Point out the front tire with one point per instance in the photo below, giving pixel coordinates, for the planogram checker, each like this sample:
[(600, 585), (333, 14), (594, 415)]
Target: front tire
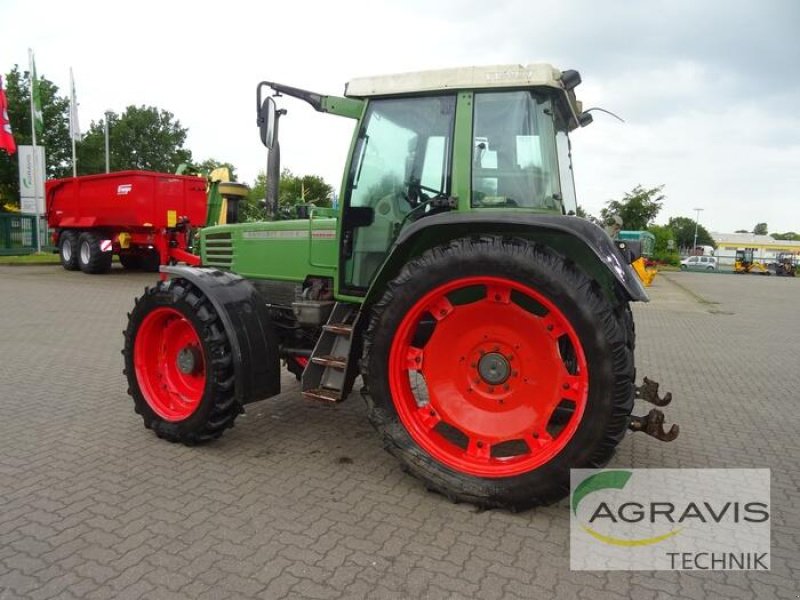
[(179, 365), (493, 367)]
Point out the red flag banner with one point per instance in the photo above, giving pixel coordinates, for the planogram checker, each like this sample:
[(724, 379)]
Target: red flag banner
[(6, 138)]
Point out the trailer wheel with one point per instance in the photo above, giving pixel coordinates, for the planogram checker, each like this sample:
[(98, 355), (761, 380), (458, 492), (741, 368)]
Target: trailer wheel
[(91, 259), (178, 364), (150, 261), (68, 250), (493, 367), (130, 261)]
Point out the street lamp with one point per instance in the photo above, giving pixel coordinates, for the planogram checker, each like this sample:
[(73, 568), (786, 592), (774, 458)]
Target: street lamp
[(108, 155), (696, 223)]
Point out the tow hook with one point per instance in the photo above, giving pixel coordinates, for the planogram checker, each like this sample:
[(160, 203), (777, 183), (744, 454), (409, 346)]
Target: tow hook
[(648, 392), (653, 424)]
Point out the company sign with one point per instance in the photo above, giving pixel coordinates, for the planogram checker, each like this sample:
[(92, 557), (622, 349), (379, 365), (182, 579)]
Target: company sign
[(31, 179), (670, 519)]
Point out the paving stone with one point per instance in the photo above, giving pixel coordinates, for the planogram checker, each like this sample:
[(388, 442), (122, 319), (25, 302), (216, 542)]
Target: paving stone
[(95, 506)]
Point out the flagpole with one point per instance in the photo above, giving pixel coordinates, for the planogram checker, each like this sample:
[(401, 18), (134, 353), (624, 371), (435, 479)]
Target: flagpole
[(35, 156), (72, 113)]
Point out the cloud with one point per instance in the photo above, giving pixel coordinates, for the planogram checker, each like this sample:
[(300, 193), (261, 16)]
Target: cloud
[(708, 89)]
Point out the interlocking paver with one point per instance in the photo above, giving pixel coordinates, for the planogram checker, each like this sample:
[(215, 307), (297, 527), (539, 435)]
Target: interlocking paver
[(92, 505)]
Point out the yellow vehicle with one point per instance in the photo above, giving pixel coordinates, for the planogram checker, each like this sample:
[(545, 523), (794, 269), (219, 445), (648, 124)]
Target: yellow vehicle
[(745, 263), (646, 242)]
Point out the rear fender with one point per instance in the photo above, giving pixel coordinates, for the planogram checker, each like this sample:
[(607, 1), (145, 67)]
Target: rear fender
[(254, 346), (583, 242)]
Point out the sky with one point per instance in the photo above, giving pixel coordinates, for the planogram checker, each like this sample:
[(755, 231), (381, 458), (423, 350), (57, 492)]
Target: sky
[(709, 89)]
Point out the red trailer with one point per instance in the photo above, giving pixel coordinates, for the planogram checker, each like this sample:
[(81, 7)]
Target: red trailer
[(143, 217)]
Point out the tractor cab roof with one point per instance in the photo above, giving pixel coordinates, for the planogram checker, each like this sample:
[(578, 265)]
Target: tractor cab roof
[(472, 78)]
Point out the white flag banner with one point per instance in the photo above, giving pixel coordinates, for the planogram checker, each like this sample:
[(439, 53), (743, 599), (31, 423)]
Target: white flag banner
[(74, 126)]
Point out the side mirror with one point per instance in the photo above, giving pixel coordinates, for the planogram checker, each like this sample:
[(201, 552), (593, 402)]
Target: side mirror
[(266, 122)]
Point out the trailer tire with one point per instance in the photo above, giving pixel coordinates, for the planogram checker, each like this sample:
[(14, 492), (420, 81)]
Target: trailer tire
[(130, 261), (179, 365), (91, 259), (68, 250), (150, 261), (479, 316)]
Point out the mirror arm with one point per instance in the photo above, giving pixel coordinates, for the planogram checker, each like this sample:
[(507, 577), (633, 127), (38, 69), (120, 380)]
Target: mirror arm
[(314, 99)]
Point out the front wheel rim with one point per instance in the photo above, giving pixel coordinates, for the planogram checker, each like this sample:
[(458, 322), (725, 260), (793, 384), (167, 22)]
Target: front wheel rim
[(170, 364), (488, 376)]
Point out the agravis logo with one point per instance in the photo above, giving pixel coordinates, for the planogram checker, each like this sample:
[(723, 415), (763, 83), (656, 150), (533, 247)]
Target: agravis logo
[(670, 519), (610, 480)]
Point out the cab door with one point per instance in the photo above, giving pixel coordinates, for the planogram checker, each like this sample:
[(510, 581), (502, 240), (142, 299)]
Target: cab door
[(402, 155)]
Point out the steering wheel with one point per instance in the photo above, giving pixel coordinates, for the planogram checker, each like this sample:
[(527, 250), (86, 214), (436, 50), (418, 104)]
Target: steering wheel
[(415, 189)]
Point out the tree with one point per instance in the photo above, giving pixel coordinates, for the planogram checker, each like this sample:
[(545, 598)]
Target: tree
[(662, 251), (638, 208), (210, 164), (292, 190), (683, 229), (789, 235), (145, 137), (55, 138), (741, 231), (297, 189), (760, 229)]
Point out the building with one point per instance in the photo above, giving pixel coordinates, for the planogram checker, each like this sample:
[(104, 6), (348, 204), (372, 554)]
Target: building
[(766, 248)]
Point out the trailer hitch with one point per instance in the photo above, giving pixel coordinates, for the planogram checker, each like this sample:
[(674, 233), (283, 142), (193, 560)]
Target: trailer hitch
[(653, 425), (648, 392)]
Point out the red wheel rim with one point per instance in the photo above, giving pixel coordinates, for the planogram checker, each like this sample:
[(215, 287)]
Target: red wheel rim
[(488, 376), (170, 364)]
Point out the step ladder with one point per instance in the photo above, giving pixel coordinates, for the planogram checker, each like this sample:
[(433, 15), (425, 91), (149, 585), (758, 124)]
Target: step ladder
[(328, 376)]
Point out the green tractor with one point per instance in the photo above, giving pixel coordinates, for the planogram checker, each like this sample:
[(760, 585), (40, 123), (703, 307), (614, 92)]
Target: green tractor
[(490, 326)]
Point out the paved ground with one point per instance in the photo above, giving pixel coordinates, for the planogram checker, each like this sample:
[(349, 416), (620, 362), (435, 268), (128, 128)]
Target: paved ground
[(299, 500)]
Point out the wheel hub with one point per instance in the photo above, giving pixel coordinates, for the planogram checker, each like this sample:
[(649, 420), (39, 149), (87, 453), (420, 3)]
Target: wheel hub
[(188, 360), (494, 368)]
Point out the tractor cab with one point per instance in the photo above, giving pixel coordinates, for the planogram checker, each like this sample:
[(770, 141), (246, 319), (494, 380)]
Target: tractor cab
[(465, 140)]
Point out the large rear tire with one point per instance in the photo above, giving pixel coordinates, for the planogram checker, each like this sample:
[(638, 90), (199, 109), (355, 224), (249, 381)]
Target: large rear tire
[(68, 250), (91, 258), (493, 366), (179, 365)]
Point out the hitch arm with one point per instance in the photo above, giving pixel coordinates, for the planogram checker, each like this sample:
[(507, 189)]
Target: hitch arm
[(653, 425), (648, 392)]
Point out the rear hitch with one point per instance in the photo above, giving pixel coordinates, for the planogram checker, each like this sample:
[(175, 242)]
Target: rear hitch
[(648, 392), (653, 424)]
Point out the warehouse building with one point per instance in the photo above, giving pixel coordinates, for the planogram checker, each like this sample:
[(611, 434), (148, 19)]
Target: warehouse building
[(766, 248)]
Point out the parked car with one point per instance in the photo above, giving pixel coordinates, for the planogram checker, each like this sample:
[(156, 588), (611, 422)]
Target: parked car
[(703, 263)]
